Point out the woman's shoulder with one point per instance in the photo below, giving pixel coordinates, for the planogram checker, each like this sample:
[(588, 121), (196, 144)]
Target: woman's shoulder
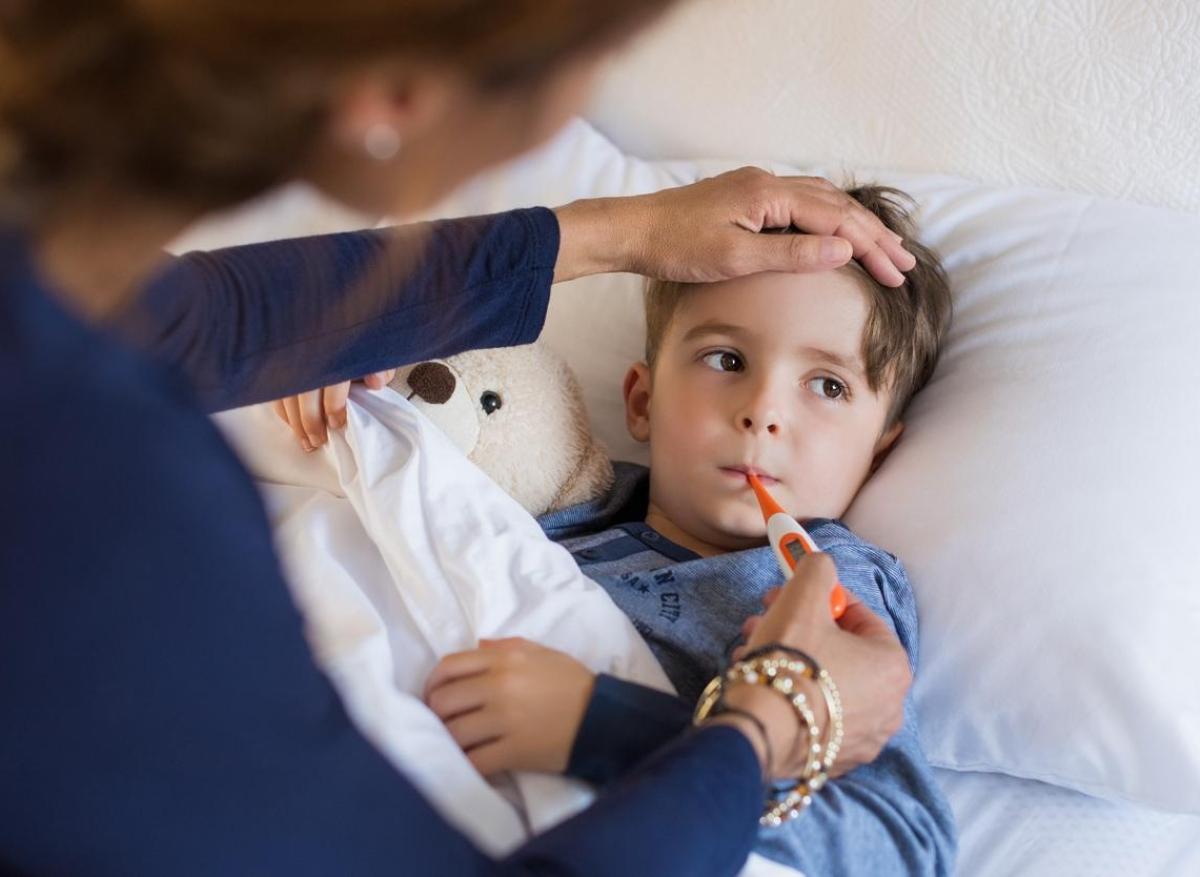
[(98, 438), (48, 350)]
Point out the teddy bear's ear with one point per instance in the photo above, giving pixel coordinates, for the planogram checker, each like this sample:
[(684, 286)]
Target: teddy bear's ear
[(591, 478)]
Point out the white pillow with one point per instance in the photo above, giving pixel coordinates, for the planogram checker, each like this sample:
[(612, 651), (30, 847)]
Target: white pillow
[(1044, 497)]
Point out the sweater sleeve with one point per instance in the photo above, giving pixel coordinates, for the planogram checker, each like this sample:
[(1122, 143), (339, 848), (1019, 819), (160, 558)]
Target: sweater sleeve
[(258, 322), (707, 788), (624, 723)]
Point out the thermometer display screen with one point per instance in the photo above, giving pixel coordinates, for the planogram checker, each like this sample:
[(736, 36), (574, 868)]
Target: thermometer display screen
[(796, 549)]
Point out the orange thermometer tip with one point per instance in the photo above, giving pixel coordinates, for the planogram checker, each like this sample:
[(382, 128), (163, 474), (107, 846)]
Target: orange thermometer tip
[(765, 501)]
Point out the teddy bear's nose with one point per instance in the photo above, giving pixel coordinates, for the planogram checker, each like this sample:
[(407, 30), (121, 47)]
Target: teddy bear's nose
[(433, 382)]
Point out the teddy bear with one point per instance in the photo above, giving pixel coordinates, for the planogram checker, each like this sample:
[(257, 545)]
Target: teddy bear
[(518, 414)]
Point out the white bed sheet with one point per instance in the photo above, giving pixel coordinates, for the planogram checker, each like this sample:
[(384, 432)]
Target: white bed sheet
[(1012, 826)]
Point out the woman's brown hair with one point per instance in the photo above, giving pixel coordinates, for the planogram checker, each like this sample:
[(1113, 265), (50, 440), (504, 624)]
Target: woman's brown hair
[(209, 102)]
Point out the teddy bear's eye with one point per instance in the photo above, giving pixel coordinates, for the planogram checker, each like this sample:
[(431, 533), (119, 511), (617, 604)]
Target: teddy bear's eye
[(491, 402)]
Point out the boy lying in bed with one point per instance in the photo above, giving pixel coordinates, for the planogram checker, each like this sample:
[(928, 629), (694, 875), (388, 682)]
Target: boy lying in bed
[(802, 379)]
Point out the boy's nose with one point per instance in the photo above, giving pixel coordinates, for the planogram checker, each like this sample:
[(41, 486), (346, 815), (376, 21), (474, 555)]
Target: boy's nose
[(759, 411), (764, 423)]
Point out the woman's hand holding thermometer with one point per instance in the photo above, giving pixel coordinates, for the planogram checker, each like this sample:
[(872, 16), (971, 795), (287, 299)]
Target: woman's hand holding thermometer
[(791, 541)]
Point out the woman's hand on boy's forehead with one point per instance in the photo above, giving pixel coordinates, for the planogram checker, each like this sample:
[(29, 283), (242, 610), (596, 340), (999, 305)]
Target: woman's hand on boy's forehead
[(708, 231), (879, 249)]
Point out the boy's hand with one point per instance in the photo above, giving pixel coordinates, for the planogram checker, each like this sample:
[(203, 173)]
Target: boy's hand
[(511, 704)]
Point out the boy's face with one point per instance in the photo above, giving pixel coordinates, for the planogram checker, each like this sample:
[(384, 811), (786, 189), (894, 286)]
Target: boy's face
[(760, 373)]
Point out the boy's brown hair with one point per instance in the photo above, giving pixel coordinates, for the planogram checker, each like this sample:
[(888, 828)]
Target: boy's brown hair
[(905, 326)]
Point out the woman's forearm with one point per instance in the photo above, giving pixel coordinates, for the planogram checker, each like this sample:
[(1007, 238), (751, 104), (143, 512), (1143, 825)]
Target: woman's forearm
[(623, 724), (259, 322), (692, 808), (597, 235)]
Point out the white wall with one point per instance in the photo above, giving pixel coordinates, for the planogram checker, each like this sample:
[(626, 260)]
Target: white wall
[(1101, 96)]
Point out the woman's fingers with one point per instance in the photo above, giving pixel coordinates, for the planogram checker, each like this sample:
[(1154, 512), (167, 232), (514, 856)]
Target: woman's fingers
[(334, 404), (797, 253), (881, 266), (311, 415), (824, 211), (866, 239), (860, 226), (307, 420), (801, 610), (291, 406), (379, 380), (893, 245), (861, 621), (807, 253)]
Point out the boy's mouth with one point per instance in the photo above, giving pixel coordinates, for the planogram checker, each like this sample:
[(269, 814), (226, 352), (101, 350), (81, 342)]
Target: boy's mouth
[(742, 471)]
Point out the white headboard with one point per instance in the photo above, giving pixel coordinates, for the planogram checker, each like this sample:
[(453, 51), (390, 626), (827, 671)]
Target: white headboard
[(1099, 96)]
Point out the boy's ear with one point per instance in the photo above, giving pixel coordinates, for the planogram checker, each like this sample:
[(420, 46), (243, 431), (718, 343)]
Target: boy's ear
[(637, 401), (886, 442)]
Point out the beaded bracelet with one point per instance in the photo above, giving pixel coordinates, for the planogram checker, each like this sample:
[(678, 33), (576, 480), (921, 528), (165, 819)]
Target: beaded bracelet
[(832, 742), (760, 668), (799, 797), (815, 773), (780, 674)]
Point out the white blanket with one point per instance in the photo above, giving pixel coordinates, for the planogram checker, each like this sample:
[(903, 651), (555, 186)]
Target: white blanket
[(400, 551)]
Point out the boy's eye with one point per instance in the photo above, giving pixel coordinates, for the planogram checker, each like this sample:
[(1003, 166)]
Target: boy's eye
[(828, 388), (724, 361)]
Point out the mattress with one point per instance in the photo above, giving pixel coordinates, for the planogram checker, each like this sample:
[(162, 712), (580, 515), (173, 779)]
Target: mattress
[(1010, 826)]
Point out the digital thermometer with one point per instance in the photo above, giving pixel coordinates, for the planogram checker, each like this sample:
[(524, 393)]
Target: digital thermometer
[(791, 541)]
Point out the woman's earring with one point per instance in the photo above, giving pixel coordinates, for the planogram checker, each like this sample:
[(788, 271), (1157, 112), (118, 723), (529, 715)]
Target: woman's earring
[(382, 141)]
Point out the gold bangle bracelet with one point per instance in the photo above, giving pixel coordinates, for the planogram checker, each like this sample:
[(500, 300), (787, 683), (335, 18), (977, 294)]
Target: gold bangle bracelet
[(834, 724)]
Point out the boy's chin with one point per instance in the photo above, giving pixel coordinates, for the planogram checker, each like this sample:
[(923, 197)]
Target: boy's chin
[(737, 530)]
